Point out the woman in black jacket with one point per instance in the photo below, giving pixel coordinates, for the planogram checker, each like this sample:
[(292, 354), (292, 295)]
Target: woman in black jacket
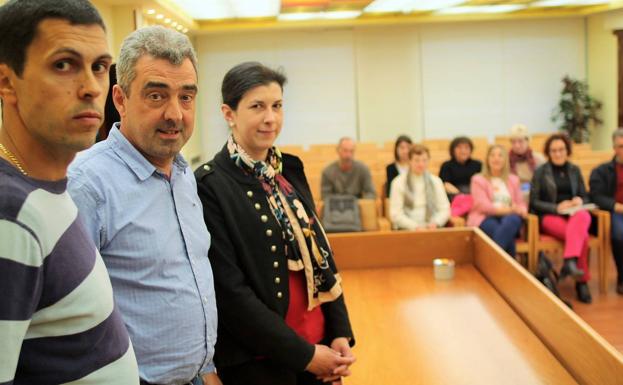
[(557, 194), (401, 161), (282, 317)]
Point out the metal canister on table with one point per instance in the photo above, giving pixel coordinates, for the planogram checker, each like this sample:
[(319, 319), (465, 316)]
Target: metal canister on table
[(443, 268)]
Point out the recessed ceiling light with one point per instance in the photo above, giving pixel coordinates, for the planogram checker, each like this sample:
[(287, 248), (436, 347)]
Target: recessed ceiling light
[(174, 24), (167, 21), (151, 11), (159, 16), (185, 30)]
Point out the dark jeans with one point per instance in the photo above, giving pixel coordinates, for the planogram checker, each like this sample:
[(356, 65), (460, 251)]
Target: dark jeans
[(264, 372), (503, 230), (617, 243)]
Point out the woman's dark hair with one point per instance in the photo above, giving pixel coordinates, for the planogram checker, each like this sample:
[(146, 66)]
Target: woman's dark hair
[(557, 136), (460, 140), (111, 115), (401, 139), (19, 20), (246, 76)]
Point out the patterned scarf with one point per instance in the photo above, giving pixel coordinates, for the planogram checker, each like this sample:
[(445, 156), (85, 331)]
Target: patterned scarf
[(307, 247), (429, 191), (527, 157)]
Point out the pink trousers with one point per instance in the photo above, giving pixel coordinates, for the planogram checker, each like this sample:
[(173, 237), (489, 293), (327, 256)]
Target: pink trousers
[(573, 231)]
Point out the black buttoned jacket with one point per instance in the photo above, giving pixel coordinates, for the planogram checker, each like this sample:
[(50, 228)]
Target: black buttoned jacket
[(247, 255)]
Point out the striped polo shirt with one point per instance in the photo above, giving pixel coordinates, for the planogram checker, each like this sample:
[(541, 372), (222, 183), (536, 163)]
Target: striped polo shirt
[(58, 321)]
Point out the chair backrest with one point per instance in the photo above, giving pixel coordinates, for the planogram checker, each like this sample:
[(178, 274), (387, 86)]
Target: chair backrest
[(369, 215)]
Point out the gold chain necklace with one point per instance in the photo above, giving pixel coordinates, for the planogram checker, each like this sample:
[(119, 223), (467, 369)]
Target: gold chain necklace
[(13, 159)]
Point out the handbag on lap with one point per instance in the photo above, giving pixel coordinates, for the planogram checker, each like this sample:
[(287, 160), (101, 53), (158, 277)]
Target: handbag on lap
[(341, 214)]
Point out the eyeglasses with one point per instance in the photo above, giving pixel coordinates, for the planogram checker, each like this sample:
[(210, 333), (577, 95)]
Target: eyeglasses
[(557, 150)]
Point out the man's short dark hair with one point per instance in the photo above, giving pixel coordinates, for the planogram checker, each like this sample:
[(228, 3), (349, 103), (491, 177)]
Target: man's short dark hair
[(19, 20)]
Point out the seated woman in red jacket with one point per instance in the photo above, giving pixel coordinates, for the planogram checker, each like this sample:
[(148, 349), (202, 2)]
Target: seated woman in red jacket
[(498, 203), (282, 319)]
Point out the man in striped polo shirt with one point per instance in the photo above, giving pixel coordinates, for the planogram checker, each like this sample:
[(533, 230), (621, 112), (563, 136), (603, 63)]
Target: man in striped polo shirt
[(58, 320)]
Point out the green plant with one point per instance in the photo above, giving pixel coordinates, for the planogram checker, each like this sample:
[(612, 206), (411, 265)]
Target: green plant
[(577, 111)]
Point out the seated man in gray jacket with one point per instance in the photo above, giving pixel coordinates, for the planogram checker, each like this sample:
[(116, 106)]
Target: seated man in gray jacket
[(347, 175)]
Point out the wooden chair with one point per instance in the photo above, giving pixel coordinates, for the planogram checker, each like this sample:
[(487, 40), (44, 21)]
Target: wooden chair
[(292, 149), (607, 250), (597, 243), (526, 241), (437, 144)]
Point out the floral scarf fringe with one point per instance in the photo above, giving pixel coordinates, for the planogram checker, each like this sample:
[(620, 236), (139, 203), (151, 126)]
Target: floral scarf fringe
[(307, 247)]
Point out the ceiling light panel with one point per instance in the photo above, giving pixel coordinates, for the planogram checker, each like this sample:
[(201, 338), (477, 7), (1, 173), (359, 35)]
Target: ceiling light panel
[(335, 15), (255, 8), (382, 6), (332, 15), (432, 5), (229, 9), (298, 16), (407, 6), (502, 8), (567, 3)]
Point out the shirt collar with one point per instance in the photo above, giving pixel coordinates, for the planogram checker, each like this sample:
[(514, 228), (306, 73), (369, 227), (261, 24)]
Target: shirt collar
[(141, 167)]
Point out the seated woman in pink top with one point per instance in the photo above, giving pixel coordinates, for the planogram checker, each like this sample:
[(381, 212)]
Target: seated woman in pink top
[(498, 203)]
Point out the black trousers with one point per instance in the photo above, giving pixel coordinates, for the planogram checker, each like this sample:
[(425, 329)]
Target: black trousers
[(264, 372)]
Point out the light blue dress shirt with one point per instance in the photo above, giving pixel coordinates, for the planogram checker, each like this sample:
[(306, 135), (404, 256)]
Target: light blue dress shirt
[(152, 236)]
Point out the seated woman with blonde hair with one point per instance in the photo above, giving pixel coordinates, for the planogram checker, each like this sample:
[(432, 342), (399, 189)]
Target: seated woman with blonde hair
[(498, 202), (417, 198)]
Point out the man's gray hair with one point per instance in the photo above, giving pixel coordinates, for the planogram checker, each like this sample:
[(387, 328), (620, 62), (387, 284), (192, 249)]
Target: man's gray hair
[(343, 139), (156, 41), (618, 133)]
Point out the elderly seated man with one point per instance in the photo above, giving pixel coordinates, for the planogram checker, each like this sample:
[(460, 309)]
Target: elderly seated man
[(346, 175)]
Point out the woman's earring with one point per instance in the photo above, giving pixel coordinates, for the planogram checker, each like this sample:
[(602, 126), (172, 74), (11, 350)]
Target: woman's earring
[(231, 124)]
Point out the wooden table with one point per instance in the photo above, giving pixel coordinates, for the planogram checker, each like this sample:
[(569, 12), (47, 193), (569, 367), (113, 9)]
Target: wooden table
[(492, 324)]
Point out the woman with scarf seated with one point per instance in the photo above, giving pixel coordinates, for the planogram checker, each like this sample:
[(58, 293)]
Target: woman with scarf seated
[(282, 316), (417, 198), (523, 161)]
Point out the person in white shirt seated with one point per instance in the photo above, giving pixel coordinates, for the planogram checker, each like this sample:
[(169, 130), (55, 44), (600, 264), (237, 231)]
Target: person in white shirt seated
[(418, 199)]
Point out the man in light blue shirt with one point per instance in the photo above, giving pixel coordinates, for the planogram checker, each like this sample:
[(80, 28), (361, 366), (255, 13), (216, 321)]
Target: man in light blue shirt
[(139, 200)]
